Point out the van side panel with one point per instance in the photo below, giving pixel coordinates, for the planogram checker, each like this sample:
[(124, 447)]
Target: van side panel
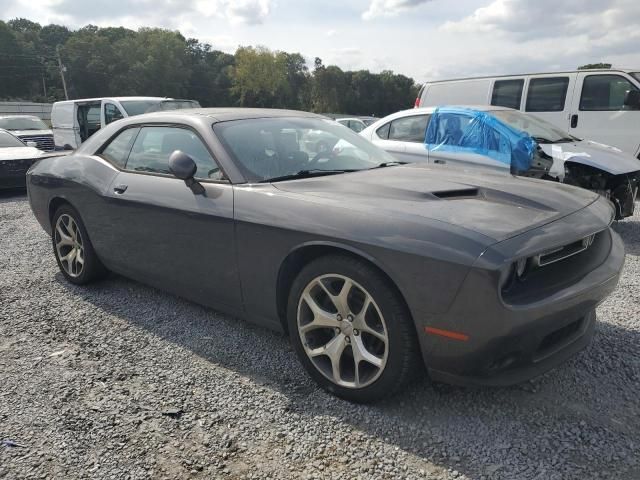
[(459, 92), (558, 112)]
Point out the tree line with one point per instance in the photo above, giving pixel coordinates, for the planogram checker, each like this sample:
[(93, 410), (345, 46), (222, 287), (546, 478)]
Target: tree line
[(117, 61)]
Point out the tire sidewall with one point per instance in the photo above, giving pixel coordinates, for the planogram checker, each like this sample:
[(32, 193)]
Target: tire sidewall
[(393, 311)]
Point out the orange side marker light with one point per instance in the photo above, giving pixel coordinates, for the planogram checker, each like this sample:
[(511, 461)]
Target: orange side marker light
[(446, 333)]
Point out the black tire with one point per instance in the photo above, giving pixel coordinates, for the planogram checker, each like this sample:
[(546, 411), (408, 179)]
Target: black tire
[(93, 269), (403, 359)]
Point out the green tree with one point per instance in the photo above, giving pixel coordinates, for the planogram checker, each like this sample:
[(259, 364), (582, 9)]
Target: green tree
[(594, 66)]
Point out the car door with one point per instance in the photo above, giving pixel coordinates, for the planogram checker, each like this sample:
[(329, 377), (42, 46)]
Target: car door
[(165, 234), (599, 113), (453, 141), (404, 138), (110, 113)]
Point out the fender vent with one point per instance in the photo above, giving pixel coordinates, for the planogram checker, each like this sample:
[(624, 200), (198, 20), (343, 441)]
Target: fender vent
[(457, 194)]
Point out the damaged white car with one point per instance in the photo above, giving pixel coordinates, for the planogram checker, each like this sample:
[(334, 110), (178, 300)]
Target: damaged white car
[(508, 140)]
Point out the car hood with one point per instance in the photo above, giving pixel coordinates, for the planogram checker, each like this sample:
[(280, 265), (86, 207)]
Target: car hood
[(586, 152), (497, 206), (19, 153), (31, 133)]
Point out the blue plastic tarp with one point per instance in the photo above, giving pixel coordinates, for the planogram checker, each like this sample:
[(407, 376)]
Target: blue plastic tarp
[(464, 130)]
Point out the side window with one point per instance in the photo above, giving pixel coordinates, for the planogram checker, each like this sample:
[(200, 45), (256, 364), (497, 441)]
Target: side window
[(356, 126), (154, 145), (111, 113), (409, 129), (604, 92), (507, 93), (117, 151), (383, 131), (547, 94), (453, 129)]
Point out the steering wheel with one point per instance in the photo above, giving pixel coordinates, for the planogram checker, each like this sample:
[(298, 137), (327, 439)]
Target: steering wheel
[(324, 154)]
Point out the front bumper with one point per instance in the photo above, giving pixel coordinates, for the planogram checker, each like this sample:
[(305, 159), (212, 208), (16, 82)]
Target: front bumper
[(13, 173), (511, 342)]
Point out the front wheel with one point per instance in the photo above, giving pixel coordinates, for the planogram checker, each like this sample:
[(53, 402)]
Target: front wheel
[(351, 330), (72, 248)]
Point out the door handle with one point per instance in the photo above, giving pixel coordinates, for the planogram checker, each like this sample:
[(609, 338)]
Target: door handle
[(574, 120), (120, 189), (441, 162)]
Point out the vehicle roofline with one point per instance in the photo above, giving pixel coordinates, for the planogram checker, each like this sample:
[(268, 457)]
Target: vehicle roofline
[(486, 77)]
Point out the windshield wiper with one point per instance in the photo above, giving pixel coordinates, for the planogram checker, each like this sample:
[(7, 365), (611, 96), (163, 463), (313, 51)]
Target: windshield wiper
[(306, 174), (388, 164)]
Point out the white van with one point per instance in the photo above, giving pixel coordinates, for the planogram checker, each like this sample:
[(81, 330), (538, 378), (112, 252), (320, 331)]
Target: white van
[(601, 105), (73, 121)]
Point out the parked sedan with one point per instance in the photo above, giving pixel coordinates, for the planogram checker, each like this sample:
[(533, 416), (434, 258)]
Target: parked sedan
[(15, 159), (373, 268), (29, 128), (479, 137)]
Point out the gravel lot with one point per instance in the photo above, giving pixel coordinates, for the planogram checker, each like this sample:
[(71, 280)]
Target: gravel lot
[(119, 380)]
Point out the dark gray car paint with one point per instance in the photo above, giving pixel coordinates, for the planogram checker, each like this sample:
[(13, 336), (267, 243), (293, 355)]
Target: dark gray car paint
[(448, 258)]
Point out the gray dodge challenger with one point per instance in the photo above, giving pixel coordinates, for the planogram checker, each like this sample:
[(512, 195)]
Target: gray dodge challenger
[(375, 269)]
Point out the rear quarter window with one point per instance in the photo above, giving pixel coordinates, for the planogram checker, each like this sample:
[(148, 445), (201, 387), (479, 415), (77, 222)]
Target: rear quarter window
[(507, 93)]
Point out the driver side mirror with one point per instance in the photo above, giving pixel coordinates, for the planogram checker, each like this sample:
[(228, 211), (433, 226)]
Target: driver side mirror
[(183, 167), (632, 99)]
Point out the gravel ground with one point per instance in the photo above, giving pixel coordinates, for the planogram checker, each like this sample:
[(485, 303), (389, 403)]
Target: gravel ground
[(119, 380)]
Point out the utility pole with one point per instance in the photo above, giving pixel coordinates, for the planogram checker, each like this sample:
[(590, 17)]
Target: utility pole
[(62, 70)]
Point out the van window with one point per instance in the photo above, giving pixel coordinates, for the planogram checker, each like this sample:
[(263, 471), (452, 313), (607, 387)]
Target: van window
[(117, 151), (409, 129), (111, 113), (604, 92), (507, 93), (547, 94), (154, 145)]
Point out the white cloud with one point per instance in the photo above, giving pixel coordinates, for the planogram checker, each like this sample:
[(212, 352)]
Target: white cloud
[(387, 8), (330, 33), (249, 12)]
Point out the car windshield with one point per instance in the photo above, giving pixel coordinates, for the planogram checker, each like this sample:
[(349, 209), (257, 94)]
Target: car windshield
[(8, 140), (274, 148), (541, 130), (138, 107), (23, 123)]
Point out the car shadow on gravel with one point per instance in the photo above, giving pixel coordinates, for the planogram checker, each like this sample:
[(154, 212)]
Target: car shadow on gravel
[(445, 425), (12, 195), (629, 230)]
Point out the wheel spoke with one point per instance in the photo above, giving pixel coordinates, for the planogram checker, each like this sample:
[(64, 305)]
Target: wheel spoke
[(321, 318), (339, 301), (334, 350), (360, 353), (360, 322), (65, 240)]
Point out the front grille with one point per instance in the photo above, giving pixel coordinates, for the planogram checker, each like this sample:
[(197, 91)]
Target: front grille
[(44, 142)]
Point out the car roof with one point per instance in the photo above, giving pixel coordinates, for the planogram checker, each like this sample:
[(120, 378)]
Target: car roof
[(232, 113), (119, 99)]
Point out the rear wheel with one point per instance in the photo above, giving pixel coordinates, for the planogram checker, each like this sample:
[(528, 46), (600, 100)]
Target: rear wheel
[(72, 248), (350, 329)]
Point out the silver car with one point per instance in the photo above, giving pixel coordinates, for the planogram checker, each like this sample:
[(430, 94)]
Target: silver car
[(475, 136)]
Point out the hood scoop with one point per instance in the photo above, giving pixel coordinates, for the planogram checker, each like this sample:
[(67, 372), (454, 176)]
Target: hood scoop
[(458, 194)]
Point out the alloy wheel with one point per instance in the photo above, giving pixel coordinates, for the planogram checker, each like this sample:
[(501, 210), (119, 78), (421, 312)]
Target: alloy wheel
[(342, 331), (69, 247)]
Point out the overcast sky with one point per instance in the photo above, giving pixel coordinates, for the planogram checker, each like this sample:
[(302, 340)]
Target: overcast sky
[(425, 39)]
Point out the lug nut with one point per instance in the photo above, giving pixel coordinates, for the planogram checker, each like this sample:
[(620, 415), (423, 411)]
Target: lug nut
[(339, 317), (356, 332), (347, 339), (350, 318), (337, 330)]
